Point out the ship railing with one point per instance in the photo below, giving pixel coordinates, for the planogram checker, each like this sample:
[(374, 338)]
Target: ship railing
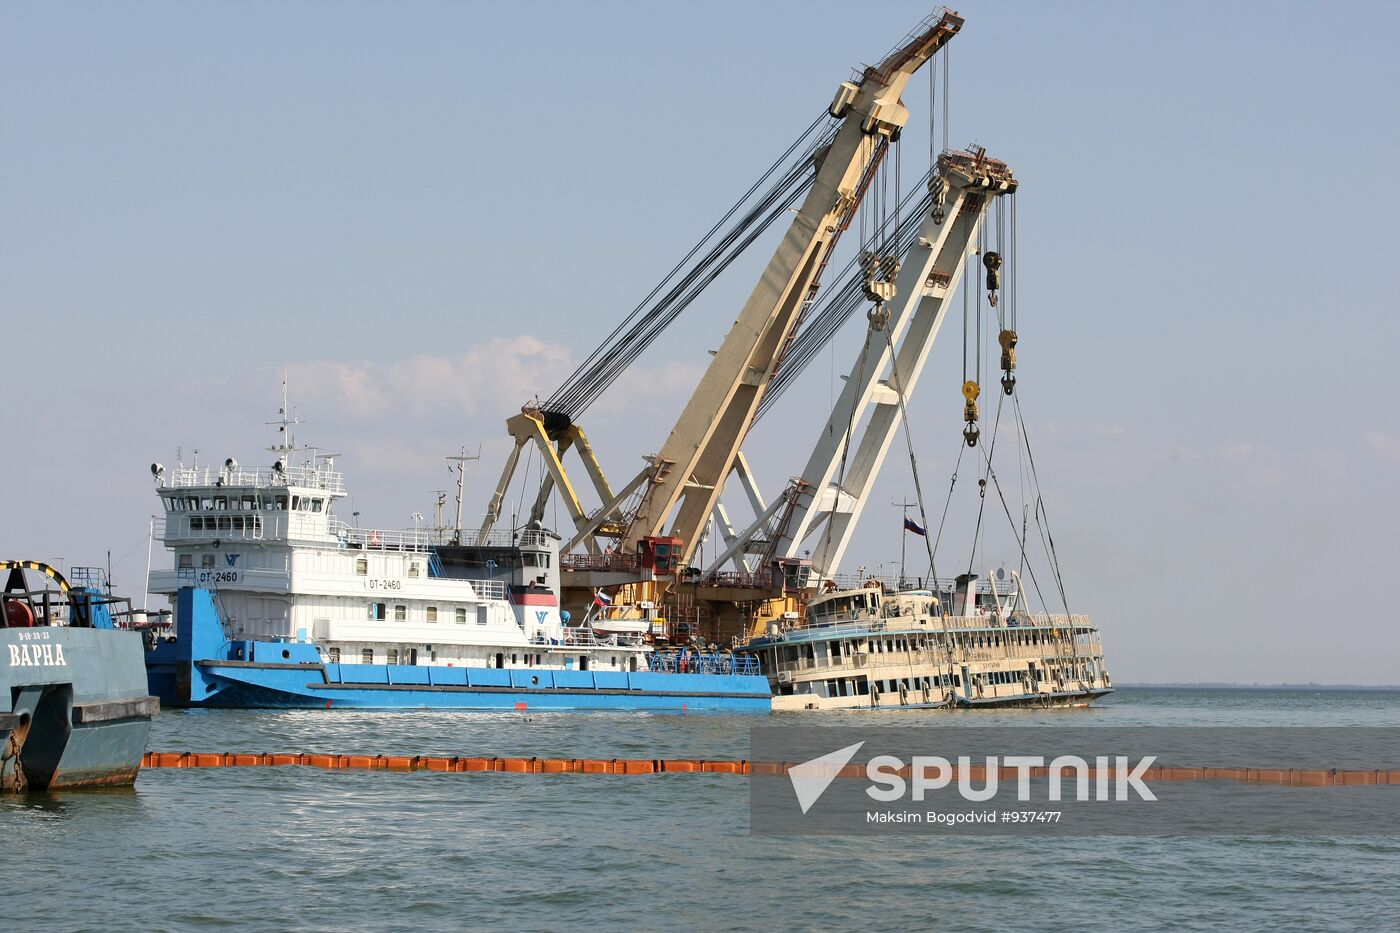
[(587, 638), (735, 579), (314, 477), (601, 563), (377, 539), (489, 589), (691, 662)]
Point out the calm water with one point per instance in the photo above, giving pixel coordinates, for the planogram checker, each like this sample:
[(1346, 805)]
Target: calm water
[(301, 849)]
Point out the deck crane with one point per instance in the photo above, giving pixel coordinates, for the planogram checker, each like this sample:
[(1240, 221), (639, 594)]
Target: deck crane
[(825, 501), (682, 484)]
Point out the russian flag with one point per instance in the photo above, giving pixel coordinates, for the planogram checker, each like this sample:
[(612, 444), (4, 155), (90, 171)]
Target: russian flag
[(911, 525), (602, 599)]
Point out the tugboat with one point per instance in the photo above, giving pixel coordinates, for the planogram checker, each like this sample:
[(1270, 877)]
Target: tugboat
[(279, 603), (74, 707)]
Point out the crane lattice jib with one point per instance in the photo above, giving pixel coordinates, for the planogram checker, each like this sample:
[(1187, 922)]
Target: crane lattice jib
[(700, 451)]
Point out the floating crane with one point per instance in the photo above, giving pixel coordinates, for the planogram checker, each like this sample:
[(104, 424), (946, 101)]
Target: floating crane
[(686, 477), (652, 525)]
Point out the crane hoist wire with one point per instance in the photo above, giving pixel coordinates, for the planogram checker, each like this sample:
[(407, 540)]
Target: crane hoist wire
[(757, 209), (838, 305)]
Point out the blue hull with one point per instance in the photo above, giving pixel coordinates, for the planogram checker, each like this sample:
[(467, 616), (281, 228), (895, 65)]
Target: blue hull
[(202, 669)]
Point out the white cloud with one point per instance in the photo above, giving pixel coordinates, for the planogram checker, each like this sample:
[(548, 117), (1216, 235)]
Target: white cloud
[(493, 377), (1388, 447)]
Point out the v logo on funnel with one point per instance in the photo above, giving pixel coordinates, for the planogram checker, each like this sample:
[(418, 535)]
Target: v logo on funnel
[(811, 778)]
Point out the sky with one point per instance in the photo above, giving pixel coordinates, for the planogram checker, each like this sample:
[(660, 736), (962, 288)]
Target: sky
[(423, 214)]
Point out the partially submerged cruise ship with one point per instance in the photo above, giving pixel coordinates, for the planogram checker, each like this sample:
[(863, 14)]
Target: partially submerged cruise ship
[(873, 648)]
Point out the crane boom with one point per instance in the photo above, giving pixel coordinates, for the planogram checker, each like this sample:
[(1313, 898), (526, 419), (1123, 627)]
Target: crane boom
[(700, 451)]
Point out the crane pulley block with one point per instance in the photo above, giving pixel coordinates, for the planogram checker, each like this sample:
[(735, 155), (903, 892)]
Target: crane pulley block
[(992, 260), (1007, 339)]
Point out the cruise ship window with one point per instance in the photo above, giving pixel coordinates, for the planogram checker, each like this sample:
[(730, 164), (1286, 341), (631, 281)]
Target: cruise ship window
[(432, 613), (361, 567), (400, 613), (461, 617), (367, 656)]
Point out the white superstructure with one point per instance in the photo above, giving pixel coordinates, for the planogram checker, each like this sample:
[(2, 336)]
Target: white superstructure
[(283, 566)]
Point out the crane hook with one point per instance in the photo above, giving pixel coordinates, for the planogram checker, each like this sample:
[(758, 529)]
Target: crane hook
[(992, 260), (878, 316)]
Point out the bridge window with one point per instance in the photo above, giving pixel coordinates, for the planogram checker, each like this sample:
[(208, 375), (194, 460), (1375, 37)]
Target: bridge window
[(316, 504), (376, 611), (400, 613), (361, 567), (279, 504), (432, 613), (367, 656)]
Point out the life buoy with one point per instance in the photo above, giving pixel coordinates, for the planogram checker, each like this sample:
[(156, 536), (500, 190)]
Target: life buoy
[(374, 539)]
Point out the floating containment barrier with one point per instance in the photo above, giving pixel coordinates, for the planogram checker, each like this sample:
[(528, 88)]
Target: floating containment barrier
[(1293, 777)]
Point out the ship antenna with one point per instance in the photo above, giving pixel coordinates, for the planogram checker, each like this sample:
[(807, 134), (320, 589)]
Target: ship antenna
[(286, 420), (461, 460)]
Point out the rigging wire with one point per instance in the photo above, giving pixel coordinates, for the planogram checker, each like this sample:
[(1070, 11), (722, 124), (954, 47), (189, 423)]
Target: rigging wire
[(840, 303), (639, 328), (898, 386), (1040, 508)]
